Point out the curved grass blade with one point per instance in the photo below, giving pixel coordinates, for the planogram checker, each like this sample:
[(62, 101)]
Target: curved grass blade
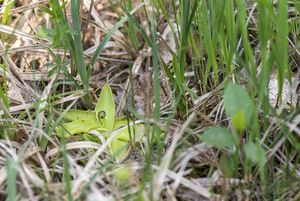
[(110, 34)]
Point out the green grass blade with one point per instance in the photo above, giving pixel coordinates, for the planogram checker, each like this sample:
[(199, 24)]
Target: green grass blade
[(11, 179), (66, 170), (110, 34), (131, 31), (231, 34), (282, 44), (156, 68), (264, 25), (6, 17), (5, 122), (134, 25), (185, 10), (249, 57), (78, 53)]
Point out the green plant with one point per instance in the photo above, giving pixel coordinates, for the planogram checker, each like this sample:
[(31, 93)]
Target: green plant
[(212, 42), (240, 108), (6, 18), (103, 120)]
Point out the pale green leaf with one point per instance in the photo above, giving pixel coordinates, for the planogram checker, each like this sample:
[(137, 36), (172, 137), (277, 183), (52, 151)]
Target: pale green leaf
[(238, 106), (76, 127), (120, 122), (218, 137), (123, 174), (105, 108), (120, 144), (73, 115), (119, 148), (239, 120), (255, 153)]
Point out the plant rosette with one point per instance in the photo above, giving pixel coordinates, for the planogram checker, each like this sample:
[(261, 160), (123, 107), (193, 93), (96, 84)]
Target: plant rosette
[(104, 121)]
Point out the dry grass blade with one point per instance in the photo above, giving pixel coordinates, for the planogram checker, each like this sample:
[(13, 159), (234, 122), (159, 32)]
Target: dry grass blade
[(11, 31), (162, 172), (73, 145)]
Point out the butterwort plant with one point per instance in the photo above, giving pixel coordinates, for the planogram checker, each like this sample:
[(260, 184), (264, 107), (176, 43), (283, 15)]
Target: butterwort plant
[(104, 121)]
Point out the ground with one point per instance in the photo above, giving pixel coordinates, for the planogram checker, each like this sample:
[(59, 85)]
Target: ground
[(201, 100)]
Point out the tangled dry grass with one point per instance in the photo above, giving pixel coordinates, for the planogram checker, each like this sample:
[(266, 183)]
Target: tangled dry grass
[(188, 170)]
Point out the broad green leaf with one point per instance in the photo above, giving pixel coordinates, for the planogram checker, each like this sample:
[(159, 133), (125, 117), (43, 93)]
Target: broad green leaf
[(90, 137), (120, 144), (101, 129), (120, 122), (74, 115), (119, 148), (105, 108), (123, 174), (218, 137), (239, 120), (255, 153), (238, 106), (76, 127)]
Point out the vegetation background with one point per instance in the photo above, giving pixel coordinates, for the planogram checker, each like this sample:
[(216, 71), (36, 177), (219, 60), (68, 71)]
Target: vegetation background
[(214, 85)]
